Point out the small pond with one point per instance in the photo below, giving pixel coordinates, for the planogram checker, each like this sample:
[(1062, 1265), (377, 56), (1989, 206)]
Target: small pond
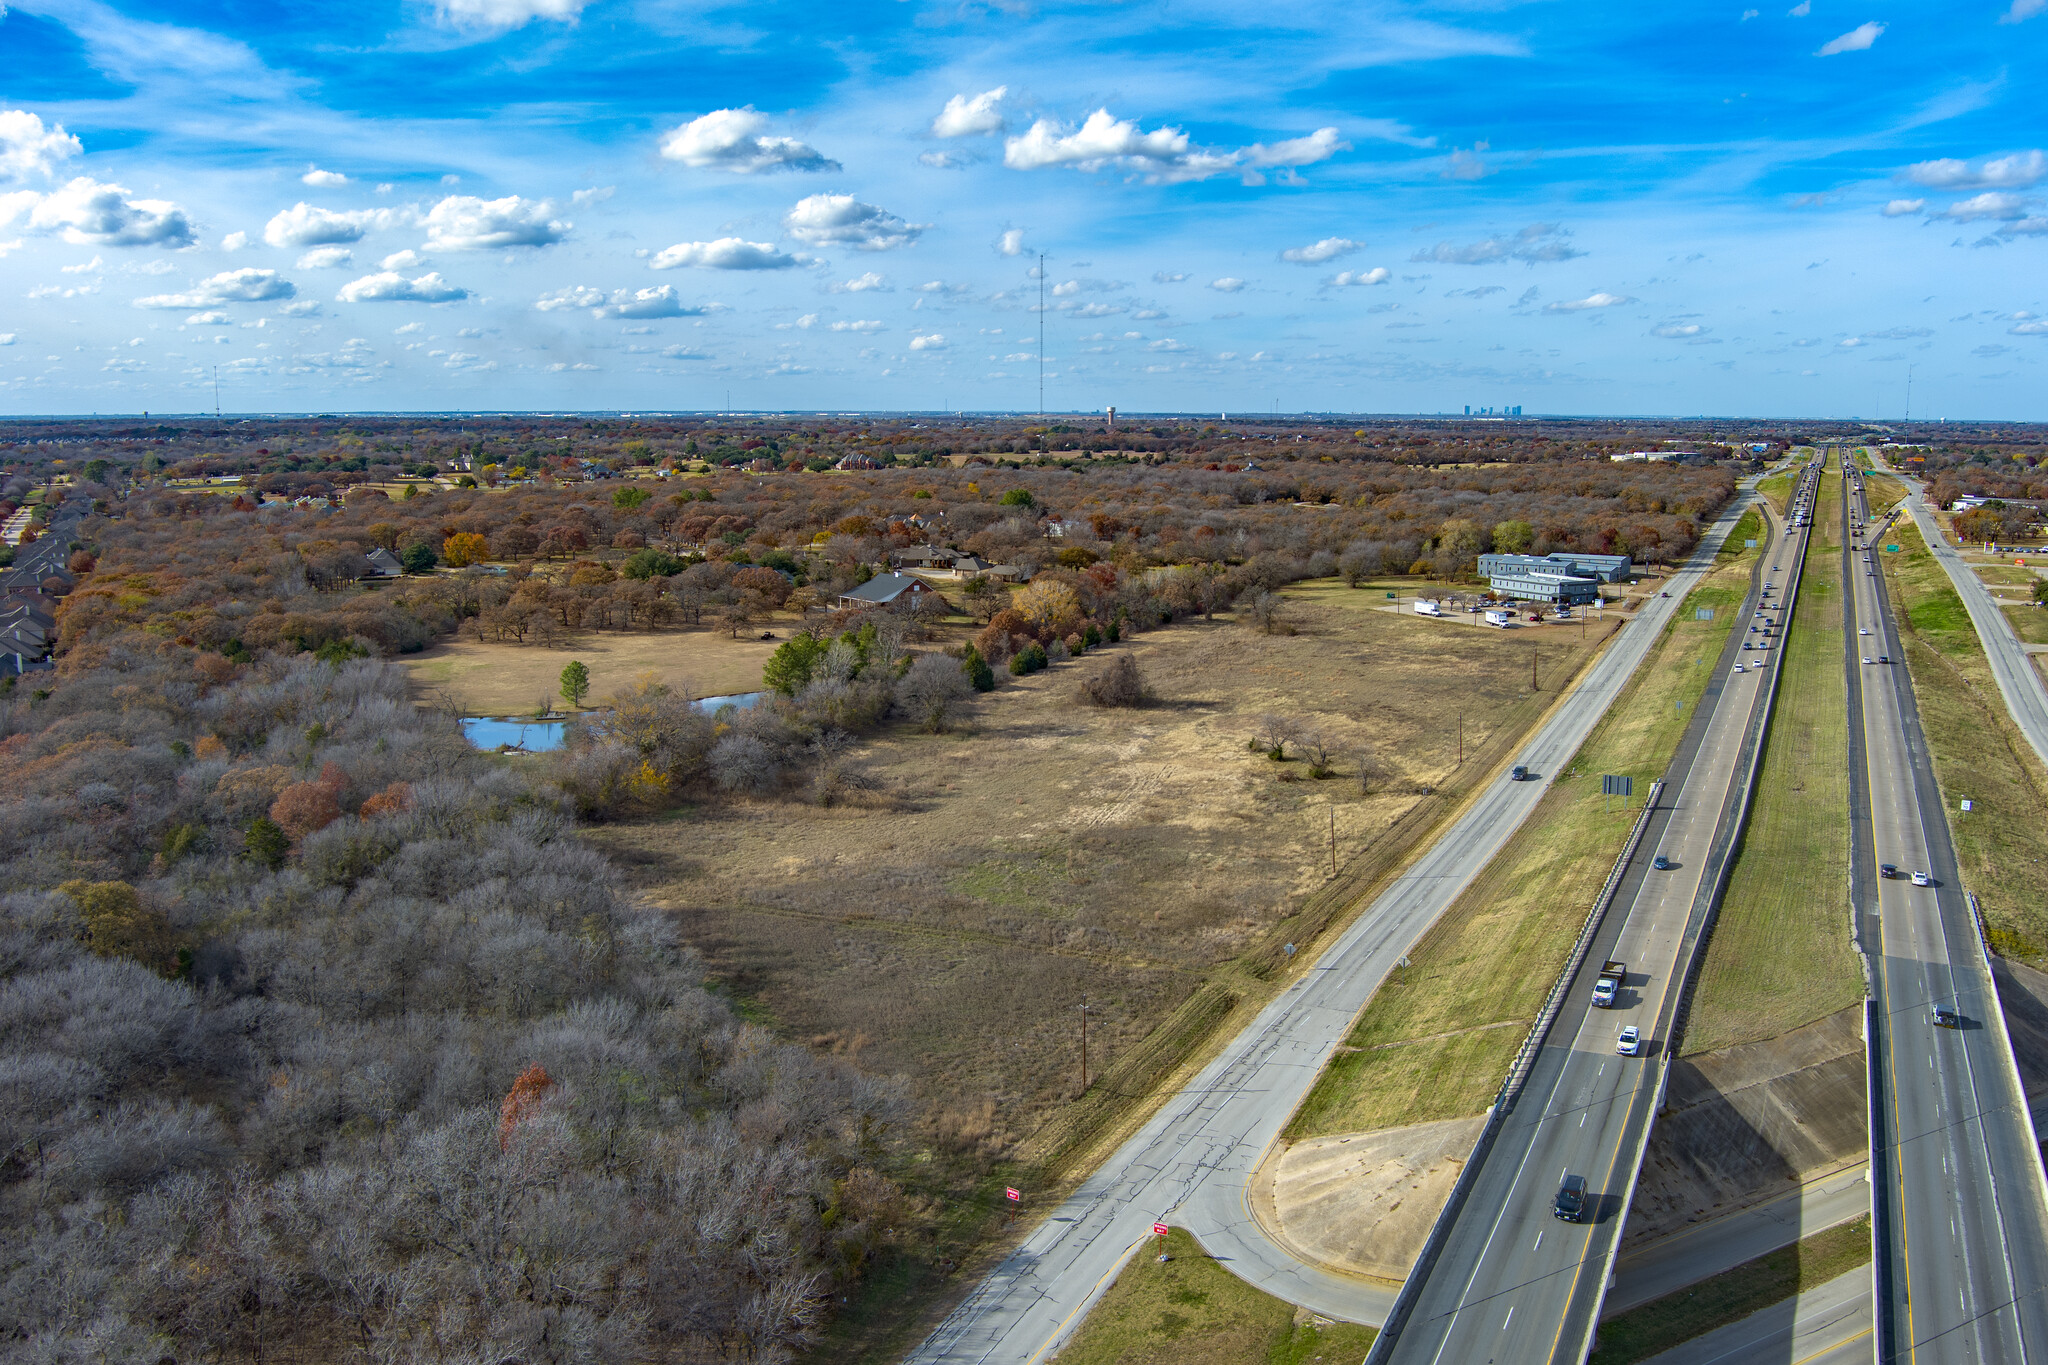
[(538, 736)]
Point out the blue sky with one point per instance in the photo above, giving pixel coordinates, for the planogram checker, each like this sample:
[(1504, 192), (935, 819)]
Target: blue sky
[(1578, 208)]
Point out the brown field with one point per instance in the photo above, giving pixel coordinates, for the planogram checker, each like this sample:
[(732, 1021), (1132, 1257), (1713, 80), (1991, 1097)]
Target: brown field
[(1045, 854), (505, 679)]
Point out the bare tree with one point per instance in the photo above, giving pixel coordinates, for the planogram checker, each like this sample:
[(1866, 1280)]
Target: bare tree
[(1315, 747), (1270, 734), (931, 689), (1370, 768)]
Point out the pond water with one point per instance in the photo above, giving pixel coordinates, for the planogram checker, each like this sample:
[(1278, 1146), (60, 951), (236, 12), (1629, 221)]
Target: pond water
[(538, 736), (534, 736)]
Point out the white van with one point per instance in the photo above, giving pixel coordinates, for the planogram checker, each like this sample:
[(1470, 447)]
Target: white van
[(1499, 618), (1426, 607)]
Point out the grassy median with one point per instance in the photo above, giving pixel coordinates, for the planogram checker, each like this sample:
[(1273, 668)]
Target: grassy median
[(1437, 1038), (1780, 955), (1979, 754), (1191, 1311), (1733, 1295)]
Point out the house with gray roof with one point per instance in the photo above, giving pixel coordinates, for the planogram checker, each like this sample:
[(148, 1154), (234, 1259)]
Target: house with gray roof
[(883, 590)]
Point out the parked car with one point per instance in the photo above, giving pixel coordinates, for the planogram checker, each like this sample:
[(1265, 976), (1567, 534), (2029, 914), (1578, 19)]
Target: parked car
[(1630, 1041)]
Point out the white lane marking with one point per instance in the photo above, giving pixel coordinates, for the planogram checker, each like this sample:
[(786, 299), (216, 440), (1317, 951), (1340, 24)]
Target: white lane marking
[(1506, 1320)]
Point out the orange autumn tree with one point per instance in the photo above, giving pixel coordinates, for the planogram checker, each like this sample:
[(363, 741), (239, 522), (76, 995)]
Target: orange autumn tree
[(465, 548), (522, 1099)]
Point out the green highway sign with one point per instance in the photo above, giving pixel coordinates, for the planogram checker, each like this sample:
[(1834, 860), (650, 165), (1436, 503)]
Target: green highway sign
[(1891, 549)]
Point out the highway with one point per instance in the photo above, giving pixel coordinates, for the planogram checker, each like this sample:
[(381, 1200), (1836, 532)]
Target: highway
[(1960, 1218), (1513, 1281), (2026, 697), (1190, 1163)]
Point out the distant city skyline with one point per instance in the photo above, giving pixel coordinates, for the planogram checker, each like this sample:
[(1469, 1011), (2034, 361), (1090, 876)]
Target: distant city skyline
[(632, 204)]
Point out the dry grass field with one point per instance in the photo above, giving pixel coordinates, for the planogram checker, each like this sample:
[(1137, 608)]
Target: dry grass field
[(1046, 854), (492, 679)]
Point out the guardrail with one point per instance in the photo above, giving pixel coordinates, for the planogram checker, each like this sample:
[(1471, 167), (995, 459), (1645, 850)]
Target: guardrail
[(1518, 1072), (1706, 909), (1440, 1231), (1880, 1188)]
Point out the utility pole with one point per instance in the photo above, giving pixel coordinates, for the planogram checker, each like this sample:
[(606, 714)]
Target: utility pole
[(1333, 838), (1532, 669), (1461, 739)]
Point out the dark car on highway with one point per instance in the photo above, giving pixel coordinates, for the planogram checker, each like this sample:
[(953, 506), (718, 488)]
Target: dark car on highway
[(1887, 870), (1570, 1203), (1662, 863)]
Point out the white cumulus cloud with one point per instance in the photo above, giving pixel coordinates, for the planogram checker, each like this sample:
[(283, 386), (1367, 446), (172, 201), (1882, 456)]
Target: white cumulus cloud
[(1899, 208), (1329, 249), (463, 222), (660, 301), (1676, 331), (1857, 39), (1165, 155), (324, 180), (971, 115), (936, 341), (867, 281), (1229, 284), (1343, 279), (28, 148), (726, 253), (842, 220), (1591, 301), (303, 225), (1990, 204), (388, 286), (208, 319), (248, 285), (575, 296), (858, 325), (1011, 243), (327, 258), (87, 212), (2019, 171), (734, 140)]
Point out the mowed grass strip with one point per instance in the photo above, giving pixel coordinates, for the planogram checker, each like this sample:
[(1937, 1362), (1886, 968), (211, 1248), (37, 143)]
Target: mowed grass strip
[(1421, 1051), (1780, 955), (1191, 1311), (2002, 842), (1733, 1294)]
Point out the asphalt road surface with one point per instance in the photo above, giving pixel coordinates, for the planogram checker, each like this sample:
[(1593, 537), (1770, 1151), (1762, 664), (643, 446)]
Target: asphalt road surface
[(1961, 1221), (1828, 1325), (2026, 698), (1190, 1163), (1514, 1282), (1671, 1263)]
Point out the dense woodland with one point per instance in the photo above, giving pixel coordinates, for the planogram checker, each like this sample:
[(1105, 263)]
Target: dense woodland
[(320, 1031)]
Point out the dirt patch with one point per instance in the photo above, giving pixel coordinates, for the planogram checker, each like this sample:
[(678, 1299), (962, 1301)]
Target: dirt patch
[(1363, 1203), (1746, 1123), (1048, 854), (492, 679)]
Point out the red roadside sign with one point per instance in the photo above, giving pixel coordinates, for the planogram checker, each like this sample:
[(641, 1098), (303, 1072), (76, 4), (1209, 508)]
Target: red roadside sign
[(1159, 1229), (1013, 1194)]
